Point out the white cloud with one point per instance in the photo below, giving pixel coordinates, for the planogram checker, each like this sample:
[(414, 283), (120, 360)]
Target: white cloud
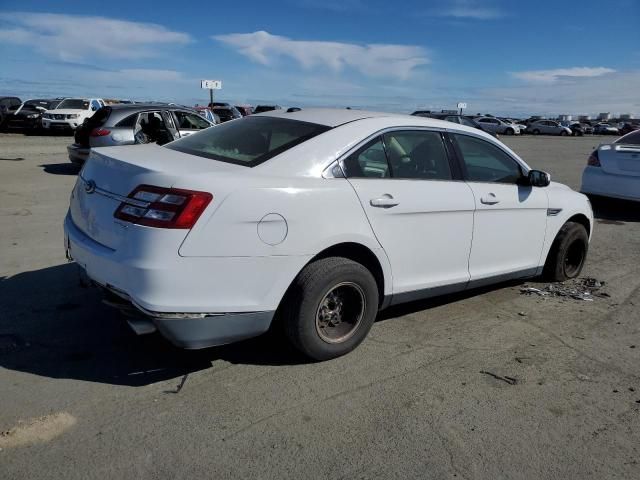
[(550, 76), (76, 37), (379, 60), (471, 9)]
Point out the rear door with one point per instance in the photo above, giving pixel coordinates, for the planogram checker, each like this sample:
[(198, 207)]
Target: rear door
[(420, 211), (510, 219)]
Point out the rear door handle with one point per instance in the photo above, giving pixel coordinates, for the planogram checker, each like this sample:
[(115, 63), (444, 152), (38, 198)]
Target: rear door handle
[(490, 199), (385, 201)]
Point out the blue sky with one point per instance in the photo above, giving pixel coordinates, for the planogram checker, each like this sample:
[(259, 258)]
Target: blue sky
[(506, 57)]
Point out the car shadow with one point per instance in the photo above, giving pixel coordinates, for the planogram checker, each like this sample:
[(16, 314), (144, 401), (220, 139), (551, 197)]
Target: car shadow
[(614, 211), (61, 168), (54, 325)]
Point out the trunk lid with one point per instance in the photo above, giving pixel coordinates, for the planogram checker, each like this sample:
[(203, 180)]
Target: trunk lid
[(110, 174), (620, 159)]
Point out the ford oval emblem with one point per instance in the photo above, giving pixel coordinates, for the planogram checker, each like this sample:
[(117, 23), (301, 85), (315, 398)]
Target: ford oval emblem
[(89, 186)]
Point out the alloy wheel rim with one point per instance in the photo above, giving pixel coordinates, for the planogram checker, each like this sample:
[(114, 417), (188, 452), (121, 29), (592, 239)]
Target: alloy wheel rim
[(340, 312)]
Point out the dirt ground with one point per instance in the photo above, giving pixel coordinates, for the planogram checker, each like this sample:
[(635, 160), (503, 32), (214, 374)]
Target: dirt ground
[(490, 384)]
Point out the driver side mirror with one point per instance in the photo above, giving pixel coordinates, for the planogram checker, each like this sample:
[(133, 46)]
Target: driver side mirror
[(538, 178)]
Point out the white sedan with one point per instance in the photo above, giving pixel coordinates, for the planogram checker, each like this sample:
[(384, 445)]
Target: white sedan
[(320, 218), (613, 169)]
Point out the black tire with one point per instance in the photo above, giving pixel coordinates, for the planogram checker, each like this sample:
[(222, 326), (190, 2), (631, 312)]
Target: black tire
[(303, 304), (563, 133), (568, 253), (536, 132), (509, 131)]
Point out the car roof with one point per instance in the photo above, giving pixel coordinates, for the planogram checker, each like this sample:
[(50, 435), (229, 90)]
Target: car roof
[(331, 117)]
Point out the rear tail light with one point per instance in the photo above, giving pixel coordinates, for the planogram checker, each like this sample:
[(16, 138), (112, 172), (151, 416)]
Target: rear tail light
[(594, 160), (100, 132), (163, 207)]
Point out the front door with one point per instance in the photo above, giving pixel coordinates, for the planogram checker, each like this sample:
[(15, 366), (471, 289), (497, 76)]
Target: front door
[(420, 211), (510, 218)]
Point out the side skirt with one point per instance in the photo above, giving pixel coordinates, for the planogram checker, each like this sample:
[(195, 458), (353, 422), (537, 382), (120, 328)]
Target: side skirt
[(412, 296)]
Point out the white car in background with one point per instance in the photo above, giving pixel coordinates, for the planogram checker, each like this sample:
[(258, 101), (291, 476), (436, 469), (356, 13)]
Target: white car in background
[(613, 169), (320, 217), (70, 113), (495, 125)]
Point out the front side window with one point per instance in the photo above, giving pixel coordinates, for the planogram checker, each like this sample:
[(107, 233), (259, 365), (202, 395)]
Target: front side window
[(417, 155), (485, 162), (368, 162), (248, 141), (190, 121)]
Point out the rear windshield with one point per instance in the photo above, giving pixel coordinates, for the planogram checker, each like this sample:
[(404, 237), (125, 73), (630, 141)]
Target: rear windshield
[(248, 141), (632, 138)]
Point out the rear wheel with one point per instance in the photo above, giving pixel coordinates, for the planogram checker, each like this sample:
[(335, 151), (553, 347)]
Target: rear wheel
[(568, 253), (330, 307)]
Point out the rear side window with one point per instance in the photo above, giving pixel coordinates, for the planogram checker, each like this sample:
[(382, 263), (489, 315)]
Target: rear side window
[(248, 141), (129, 121), (369, 161), (485, 162), (632, 138)]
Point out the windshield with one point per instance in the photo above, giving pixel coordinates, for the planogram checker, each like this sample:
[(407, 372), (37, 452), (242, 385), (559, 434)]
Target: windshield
[(248, 141), (32, 104), (74, 103), (632, 138)]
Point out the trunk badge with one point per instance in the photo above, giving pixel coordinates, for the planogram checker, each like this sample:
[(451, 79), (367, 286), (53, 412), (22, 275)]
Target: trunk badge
[(89, 186)]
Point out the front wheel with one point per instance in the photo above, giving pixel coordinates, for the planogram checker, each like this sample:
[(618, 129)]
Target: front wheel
[(563, 133), (568, 253), (536, 132), (509, 131), (330, 307)]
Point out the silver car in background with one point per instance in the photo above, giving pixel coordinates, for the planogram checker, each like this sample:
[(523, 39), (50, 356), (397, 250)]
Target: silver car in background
[(548, 127), (497, 126), (129, 124)]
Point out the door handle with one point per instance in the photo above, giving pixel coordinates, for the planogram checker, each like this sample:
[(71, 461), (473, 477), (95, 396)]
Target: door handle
[(385, 201), (489, 199)]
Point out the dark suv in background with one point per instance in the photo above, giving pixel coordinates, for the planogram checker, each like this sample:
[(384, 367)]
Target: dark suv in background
[(28, 116), (8, 105), (129, 124)]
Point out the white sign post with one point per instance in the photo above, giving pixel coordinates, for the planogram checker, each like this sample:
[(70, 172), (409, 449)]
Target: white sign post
[(211, 85), (461, 106)]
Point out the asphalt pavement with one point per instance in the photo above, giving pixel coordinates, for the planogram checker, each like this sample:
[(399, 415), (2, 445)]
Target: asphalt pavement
[(488, 384)]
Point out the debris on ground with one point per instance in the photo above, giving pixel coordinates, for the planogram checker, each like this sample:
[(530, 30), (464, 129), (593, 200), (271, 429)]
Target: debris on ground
[(579, 289), (509, 380)]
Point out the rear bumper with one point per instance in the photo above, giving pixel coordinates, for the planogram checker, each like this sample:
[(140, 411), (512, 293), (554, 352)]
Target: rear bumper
[(597, 182), (192, 331), (78, 154), (195, 302)]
